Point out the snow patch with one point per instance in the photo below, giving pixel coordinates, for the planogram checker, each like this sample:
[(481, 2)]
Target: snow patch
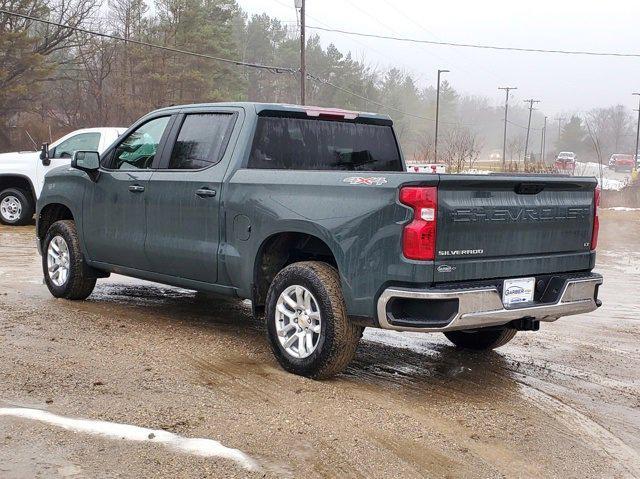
[(112, 430), (621, 208), (475, 171), (608, 184)]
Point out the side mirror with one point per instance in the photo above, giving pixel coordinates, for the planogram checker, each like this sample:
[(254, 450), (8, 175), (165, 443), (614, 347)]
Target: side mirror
[(87, 161), (44, 154)]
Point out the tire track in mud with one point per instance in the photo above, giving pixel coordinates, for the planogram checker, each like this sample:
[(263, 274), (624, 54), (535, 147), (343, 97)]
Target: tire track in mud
[(625, 456), (423, 459), (238, 377), (520, 362), (599, 437), (448, 380)]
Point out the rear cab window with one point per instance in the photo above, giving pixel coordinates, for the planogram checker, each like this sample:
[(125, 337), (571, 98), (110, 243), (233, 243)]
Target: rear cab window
[(307, 143)]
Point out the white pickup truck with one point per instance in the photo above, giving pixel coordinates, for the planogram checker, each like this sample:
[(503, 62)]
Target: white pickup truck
[(22, 173)]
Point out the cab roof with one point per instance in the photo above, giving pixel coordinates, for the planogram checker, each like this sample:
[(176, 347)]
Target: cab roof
[(264, 108)]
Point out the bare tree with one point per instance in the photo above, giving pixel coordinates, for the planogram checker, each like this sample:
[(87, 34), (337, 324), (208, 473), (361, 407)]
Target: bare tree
[(461, 148), (425, 150), (515, 150), (595, 141)]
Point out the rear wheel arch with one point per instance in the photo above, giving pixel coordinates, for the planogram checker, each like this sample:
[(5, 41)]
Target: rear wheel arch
[(280, 250)]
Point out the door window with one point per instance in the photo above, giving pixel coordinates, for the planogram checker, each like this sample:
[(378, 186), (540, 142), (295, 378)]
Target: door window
[(81, 141), (138, 149), (201, 142)]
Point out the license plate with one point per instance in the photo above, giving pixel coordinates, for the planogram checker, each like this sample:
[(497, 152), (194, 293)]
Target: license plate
[(517, 291)]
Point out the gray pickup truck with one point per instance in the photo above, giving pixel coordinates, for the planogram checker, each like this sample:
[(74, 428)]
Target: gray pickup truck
[(310, 214)]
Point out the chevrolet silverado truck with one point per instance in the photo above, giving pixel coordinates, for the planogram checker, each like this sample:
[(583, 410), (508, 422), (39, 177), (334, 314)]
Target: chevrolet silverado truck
[(22, 173), (310, 213)]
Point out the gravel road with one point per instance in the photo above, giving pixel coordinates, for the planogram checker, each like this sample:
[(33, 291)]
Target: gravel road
[(561, 402)]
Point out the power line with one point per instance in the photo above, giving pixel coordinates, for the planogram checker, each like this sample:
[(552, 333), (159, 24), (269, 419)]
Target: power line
[(381, 105), (477, 45), (362, 97), (271, 68), (366, 46), (521, 126)]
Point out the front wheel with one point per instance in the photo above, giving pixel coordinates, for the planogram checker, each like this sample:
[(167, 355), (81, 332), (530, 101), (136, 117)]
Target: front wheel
[(307, 324), (16, 207), (481, 340), (65, 271)]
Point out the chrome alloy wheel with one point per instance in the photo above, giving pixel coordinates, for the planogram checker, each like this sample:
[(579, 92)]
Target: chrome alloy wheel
[(58, 262), (298, 321), (10, 208)]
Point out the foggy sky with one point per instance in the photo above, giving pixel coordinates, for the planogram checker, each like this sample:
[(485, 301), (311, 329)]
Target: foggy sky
[(564, 83)]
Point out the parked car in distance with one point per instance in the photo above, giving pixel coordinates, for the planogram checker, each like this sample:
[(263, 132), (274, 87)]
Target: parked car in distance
[(566, 161), (495, 155), (22, 173), (621, 162), (427, 168), (310, 213)]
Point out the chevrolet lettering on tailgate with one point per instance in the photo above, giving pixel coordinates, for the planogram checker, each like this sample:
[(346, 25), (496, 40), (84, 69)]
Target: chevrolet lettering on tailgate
[(520, 214)]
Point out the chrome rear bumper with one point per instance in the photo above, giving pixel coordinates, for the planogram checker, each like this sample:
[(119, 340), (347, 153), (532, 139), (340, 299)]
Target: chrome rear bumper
[(483, 307)]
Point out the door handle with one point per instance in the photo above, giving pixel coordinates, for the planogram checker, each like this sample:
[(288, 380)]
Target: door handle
[(206, 193), (136, 188)]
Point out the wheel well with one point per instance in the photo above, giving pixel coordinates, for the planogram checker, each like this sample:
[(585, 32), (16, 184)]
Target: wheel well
[(15, 181), (280, 250), (49, 215)]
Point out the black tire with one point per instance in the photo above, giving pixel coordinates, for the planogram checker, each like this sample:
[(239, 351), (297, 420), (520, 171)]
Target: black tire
[(79, 283), (338, 337), (481, 340), (27, 206)]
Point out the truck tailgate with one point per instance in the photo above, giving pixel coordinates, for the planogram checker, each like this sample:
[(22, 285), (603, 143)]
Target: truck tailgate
[(512, 226)]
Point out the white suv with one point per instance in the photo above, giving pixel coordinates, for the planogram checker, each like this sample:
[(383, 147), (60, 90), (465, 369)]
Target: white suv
[(22, 173)]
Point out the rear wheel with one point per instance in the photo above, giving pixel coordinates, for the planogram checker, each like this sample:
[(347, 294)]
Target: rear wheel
[(307, 323), (65, 272), (481, 340), (16, 207)]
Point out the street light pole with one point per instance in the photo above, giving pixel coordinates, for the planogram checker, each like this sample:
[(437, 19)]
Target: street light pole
[(526, 143), (506, 112), (544, 140), (637, 130), (435, 143)]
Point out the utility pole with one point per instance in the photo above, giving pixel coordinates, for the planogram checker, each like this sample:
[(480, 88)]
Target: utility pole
[(526, 143), (637, 130), (506, 89), (299, 4), (559, 120), (435, 143)]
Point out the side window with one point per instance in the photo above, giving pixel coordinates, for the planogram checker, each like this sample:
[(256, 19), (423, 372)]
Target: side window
[(201, 141), (137, 150), (82, 141)]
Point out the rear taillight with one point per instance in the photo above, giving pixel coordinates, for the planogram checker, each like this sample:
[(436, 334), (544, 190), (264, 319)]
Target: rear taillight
[(419, 236), (596, 220)]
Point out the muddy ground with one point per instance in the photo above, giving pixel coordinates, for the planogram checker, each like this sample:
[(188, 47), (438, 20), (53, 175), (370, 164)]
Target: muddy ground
[(561, 402)]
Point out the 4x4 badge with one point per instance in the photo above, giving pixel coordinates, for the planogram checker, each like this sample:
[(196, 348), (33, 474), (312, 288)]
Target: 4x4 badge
[(372, 180)]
